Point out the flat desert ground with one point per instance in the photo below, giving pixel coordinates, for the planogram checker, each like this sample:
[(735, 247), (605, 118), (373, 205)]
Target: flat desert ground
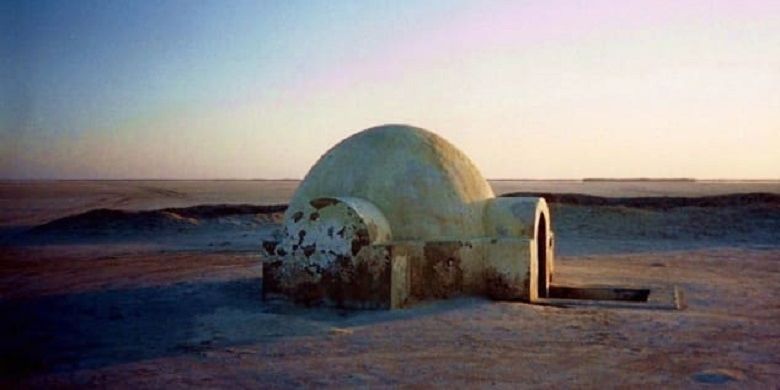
[(157, 284)]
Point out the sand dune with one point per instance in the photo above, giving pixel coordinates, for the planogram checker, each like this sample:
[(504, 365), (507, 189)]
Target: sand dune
[(107, 220)]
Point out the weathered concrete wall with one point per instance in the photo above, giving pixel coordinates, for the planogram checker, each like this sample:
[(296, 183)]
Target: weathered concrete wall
[(510, 269), (394, 275), (502, 268), (317, 259), (521, 218), (394, 215)]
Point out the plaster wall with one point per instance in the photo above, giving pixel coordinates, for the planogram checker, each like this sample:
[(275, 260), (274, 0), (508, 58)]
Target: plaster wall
[(426, 188), (395, 215)]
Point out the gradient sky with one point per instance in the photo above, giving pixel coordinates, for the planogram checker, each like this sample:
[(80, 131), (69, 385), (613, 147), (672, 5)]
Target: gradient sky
[(528, 89)]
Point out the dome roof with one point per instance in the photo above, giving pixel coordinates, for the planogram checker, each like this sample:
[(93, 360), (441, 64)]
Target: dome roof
[(426, 188)]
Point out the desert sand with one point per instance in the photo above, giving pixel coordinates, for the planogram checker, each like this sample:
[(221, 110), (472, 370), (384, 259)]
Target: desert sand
[(154, 292)]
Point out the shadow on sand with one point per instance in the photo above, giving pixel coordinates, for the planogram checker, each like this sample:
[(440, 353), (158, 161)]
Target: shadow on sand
[(64, 333)]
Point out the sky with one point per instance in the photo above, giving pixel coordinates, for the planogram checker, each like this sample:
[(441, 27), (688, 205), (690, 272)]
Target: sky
[(261, 89)]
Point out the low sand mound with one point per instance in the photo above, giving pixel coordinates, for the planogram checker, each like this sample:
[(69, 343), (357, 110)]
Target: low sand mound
[(225, 210), (107, 220), (659, 202)]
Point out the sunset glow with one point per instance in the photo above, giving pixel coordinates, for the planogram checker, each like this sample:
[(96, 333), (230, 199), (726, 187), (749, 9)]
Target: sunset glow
[(244, 90)]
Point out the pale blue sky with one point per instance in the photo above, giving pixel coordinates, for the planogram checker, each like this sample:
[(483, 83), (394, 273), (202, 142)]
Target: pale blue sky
[(229, 89)]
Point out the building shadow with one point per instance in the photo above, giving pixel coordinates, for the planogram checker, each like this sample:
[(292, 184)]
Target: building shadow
[(69, 332)]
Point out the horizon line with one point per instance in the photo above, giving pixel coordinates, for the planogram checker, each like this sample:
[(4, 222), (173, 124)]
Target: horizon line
[(584, 179)]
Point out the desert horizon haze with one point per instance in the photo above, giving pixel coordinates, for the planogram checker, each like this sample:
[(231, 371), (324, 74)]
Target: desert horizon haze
[(241, 89)]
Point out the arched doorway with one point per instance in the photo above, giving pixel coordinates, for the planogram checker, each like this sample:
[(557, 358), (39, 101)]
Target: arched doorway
[(541, 256)]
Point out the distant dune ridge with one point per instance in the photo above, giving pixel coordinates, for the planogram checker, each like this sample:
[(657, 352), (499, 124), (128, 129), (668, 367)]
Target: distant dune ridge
[(650, 179), (583, 223), (658, 202), (108, 220), (171, 217)]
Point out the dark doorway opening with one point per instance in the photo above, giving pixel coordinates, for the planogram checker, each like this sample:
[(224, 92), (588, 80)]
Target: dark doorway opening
[(541, 256)]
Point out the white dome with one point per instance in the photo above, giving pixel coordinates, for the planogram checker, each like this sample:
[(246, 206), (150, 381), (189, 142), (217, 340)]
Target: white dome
[(426, 188)]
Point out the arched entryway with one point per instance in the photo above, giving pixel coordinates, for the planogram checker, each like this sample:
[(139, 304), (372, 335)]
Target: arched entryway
[(541, 256)]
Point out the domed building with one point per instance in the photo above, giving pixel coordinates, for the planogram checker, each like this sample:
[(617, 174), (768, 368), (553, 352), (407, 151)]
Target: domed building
[(396, 214)]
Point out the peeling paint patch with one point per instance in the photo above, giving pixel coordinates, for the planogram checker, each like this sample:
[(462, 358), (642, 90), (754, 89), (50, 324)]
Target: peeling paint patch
[(498, 287), (270, 247), (442, 269)]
